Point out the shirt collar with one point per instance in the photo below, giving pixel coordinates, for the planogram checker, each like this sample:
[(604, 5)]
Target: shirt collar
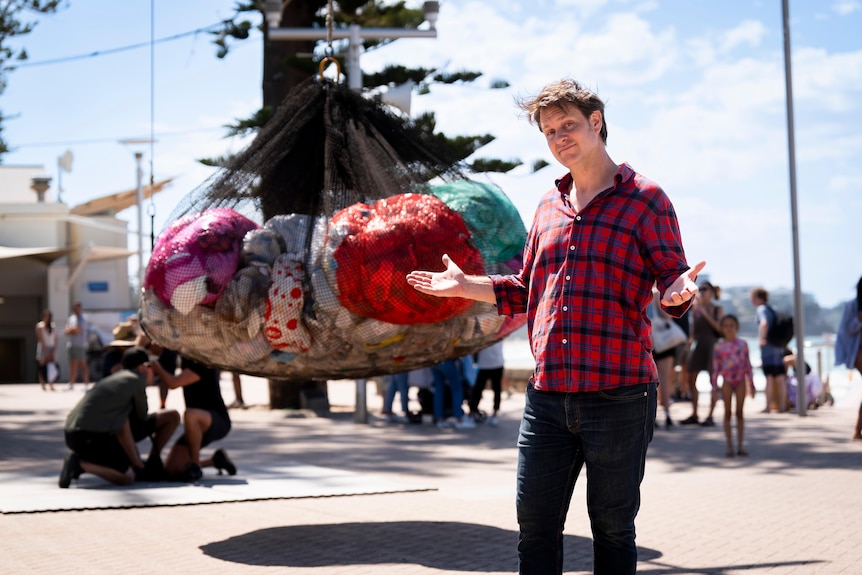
[(624, 173)]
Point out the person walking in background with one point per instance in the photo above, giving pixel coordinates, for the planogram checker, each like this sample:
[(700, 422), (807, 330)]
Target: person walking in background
[(848, 343), (491, 366), (448, 374), (771, 356), (680, 360), (46, 346), (664, 364), (238, 401), (76, 330), (396, 383), (731, 361), (599, 241), (705, 331)]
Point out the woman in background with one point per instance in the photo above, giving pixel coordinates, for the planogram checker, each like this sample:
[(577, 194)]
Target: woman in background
[(705, 331), (46, 346), (848, 344)]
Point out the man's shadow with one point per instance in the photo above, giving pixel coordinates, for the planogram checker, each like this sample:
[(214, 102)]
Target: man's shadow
[(447, 546)]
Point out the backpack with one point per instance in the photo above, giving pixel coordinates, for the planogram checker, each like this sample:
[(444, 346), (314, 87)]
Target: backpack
[(781, 330)]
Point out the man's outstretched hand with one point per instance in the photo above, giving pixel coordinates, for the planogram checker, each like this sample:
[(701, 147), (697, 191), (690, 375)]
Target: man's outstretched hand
[(683, 288), (448, 283)]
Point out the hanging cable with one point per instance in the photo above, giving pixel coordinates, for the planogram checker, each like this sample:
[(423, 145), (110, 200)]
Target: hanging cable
[(328, 58), (151, 209)]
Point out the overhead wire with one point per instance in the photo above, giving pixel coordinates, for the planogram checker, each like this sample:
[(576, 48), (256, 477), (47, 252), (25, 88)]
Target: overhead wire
[(149, 43)]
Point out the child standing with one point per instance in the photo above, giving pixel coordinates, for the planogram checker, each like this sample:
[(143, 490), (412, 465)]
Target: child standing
[(731, 361)]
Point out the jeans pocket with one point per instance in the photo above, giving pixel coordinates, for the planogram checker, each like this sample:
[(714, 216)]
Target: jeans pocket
[(626, 393)]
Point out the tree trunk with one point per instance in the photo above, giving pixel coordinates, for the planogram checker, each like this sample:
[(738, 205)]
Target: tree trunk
[(282, 70), (283, 64)]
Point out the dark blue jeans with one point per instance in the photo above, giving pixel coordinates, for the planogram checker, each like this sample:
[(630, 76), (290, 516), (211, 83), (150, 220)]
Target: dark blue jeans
[(561, 432)]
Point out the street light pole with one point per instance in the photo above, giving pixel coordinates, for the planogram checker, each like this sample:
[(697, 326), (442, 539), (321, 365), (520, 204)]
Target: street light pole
[(139, 198), (799, 320)]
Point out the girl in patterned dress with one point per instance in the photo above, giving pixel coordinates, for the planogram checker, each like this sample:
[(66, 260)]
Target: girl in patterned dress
[(731, 361)]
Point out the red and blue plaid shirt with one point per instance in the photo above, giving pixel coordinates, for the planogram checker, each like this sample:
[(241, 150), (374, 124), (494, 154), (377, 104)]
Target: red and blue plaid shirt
[(587, 281)]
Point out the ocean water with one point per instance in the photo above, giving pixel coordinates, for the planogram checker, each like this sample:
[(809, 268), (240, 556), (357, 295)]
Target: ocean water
[(819, 353)]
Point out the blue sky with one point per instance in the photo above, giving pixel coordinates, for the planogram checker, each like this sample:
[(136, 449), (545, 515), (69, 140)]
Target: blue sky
[(694, 92)]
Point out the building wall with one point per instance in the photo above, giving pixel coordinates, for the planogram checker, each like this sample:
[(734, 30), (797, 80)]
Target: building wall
[(30, 284)]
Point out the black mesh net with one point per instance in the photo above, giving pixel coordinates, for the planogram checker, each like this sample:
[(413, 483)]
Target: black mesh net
[(290, 262)]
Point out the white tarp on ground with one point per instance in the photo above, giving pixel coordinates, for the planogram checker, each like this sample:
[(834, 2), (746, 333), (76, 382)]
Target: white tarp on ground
[(22, 493)]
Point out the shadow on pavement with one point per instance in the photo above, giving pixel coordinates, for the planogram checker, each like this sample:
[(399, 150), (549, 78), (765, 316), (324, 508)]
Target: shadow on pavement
[(447, 546)]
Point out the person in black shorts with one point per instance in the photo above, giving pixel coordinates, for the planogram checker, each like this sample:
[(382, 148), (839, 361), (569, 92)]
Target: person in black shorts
[(99, 429), (205, 420)]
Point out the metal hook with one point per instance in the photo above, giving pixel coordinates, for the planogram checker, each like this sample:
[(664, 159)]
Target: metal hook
[(325, 62)]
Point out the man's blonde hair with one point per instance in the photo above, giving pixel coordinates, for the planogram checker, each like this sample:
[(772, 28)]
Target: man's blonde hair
[(562, 95)]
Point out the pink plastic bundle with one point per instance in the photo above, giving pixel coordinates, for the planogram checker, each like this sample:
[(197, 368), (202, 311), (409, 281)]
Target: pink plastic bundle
[(196, 257)]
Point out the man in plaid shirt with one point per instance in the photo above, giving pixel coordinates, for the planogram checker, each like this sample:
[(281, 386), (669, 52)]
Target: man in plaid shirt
[(600, 240)]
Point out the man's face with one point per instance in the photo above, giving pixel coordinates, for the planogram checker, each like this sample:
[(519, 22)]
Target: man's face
[(77, 309), (571, 136)]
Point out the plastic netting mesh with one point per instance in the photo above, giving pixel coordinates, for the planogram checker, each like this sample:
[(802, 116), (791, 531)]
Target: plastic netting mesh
[(291, 261)]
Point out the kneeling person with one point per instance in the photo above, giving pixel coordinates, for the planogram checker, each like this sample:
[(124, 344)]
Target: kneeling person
[(206, 420), (99, 429)]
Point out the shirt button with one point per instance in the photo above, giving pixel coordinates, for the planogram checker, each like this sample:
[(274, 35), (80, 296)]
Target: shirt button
[(572, 248), (568, 277), (578, 218), (565, 340), (565, 308)]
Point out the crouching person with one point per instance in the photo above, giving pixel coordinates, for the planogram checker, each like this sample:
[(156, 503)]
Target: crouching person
[(99, 429), (205, 420)]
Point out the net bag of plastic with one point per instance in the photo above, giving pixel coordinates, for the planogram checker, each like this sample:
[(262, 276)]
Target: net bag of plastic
[(291, 261)]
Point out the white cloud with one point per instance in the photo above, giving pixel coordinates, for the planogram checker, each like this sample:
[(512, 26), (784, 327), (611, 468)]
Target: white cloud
[(830, 80), (748, 34), (846, 7)]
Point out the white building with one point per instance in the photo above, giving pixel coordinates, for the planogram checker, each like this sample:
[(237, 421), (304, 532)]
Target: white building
[(52, 255)]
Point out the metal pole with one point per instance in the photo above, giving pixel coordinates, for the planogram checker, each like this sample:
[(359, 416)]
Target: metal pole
[(799, 319), (341, 34), (354, 50), (139, 196), (59, 180), (360, 415)]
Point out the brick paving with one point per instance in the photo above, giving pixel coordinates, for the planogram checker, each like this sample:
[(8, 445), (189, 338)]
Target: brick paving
[(792, 507)]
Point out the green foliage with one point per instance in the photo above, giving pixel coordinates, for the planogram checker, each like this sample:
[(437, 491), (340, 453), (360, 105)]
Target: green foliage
[(250, 125), (539, 164), (374, 14), (217, 162), (463, 76), (231, 29), (480, 165), (396, 75), (11, 26)]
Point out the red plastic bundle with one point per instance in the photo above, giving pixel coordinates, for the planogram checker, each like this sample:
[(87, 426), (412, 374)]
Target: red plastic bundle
[(383, 242)]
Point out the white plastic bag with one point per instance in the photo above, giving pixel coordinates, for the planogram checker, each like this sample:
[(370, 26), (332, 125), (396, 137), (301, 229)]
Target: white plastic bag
[(53, 372)]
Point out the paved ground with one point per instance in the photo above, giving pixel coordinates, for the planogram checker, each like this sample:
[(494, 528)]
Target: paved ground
[(792, 507)]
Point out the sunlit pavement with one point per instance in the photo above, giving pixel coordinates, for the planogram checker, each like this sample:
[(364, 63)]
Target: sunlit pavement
[(791, 506)]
